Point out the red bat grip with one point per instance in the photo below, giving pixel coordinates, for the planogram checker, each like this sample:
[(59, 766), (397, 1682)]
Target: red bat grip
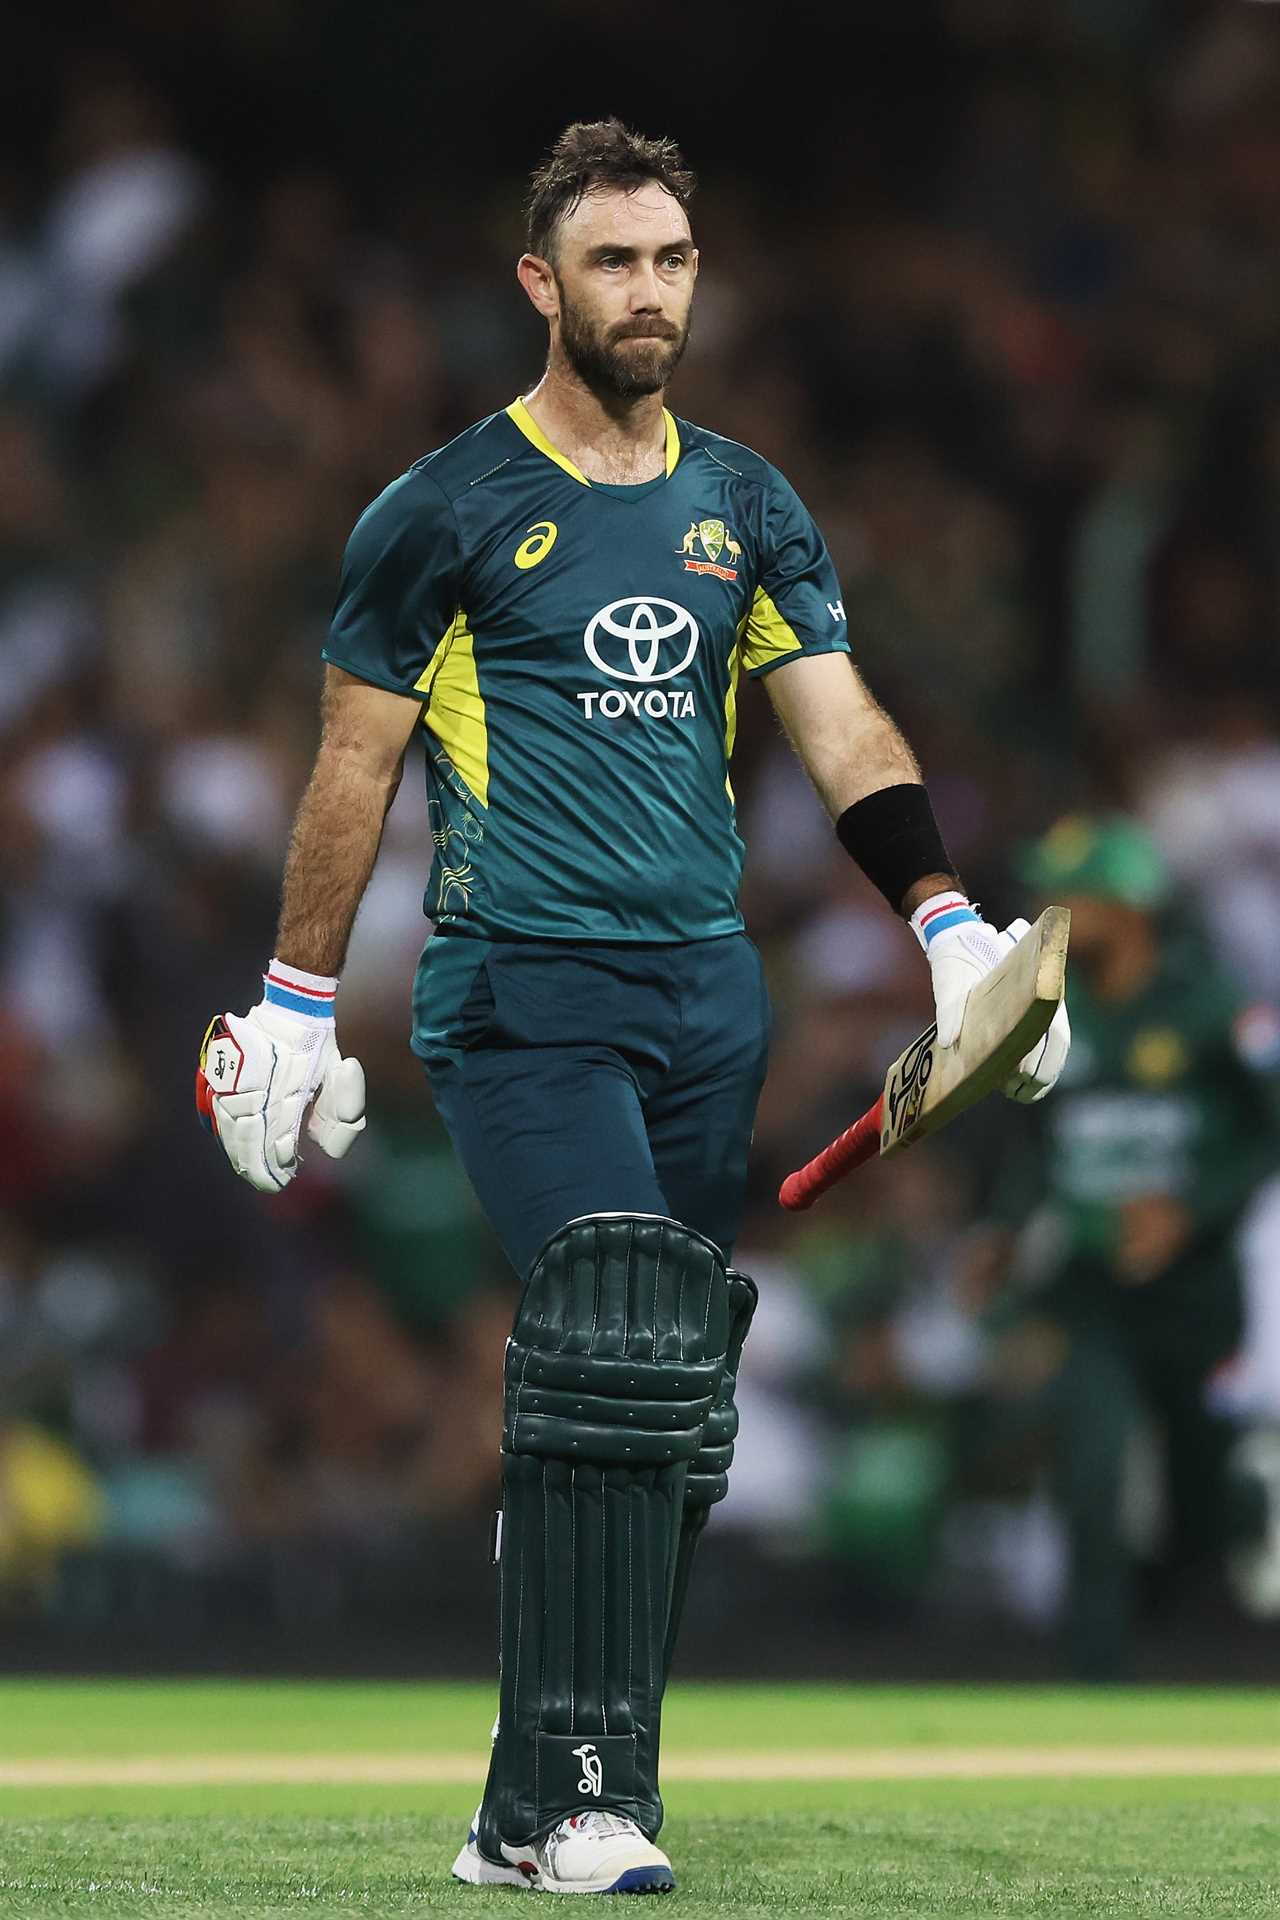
[(856, 1145)]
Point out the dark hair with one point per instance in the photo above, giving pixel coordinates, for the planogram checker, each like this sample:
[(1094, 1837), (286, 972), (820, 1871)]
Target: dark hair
[(599, 153)]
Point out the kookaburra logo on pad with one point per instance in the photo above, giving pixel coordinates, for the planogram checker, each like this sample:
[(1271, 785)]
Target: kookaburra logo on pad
[(592, 1780)]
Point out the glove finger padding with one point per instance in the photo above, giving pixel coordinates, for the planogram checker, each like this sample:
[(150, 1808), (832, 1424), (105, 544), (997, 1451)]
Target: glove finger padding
[(254, 1090), (236, 1065), (1039, 1071), (338, 1117)]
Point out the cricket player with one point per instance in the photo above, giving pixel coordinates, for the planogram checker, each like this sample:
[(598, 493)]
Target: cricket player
[(1128, 1201), (562, 604)]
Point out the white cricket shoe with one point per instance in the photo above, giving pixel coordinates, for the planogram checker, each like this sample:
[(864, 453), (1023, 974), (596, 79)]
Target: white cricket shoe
[(587, 1853), (472, 1866)]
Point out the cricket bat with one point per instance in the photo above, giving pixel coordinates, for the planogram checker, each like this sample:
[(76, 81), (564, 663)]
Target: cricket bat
[(928, 1085)]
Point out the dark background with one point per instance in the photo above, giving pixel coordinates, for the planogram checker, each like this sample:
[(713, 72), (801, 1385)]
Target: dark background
[(997, 284)]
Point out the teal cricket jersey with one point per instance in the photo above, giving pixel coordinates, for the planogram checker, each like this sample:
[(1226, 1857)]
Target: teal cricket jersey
[(577, 649)]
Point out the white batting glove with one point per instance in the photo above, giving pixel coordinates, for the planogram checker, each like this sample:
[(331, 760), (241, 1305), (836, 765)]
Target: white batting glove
[(260, 1071), (1038, 1071), (961, 947)]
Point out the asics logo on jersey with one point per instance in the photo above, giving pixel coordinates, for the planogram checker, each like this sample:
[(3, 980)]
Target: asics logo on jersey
[(656, 637), (543, 535)]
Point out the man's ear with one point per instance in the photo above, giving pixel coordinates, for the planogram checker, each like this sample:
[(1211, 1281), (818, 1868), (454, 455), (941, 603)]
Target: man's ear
[(539, 282)]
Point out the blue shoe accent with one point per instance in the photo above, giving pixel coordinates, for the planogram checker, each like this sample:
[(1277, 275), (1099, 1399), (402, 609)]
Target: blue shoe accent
[(645, 1880)]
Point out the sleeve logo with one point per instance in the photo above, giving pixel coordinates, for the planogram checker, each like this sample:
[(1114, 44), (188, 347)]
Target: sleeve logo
[(542, 536)]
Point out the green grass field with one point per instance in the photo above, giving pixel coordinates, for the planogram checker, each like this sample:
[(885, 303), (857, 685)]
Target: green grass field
[(251, 1799)]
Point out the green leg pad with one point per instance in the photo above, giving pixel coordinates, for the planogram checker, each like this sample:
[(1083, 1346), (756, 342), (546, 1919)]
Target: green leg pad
[(611, 1374), (707, 1481)]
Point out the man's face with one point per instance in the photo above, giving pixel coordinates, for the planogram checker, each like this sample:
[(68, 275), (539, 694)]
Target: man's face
[(624, 267)]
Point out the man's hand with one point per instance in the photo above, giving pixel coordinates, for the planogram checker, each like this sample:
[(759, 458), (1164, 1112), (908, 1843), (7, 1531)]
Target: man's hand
[(961, 948), (257, 1075), (1040, 1070)]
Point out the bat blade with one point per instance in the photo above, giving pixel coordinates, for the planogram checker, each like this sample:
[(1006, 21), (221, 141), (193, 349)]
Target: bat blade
[(1007, 1012), (1005, 1015)]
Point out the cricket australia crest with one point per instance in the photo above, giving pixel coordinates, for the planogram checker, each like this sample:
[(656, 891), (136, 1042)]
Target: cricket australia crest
[(713, 538)]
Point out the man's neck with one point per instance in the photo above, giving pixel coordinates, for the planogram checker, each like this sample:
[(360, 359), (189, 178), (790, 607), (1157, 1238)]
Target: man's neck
[(618, 442)]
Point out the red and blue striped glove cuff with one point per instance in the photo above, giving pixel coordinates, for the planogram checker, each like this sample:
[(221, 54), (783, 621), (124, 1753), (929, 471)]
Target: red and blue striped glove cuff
[(311, 994), (939, 913)]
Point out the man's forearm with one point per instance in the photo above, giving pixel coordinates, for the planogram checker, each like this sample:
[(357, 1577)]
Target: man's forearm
[(875, 755), (854, 754), (849, 745), (332, 851)]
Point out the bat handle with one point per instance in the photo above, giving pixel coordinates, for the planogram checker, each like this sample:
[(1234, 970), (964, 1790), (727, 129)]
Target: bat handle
[(855, 1146)]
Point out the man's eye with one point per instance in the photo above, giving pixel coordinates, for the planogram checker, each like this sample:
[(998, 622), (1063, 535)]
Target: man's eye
[(675, 260), (611, 260)]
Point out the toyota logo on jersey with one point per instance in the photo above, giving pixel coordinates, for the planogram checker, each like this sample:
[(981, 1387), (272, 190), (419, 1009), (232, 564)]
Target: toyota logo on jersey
[(656, 638)]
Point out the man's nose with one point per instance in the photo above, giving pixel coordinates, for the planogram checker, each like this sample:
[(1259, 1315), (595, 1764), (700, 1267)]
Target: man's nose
[(645, 293)]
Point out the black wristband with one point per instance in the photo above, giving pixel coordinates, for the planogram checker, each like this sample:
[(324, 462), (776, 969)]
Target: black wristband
[(894, 838)]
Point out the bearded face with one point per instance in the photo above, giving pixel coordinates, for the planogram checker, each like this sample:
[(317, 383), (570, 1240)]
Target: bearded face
[(623, 359)]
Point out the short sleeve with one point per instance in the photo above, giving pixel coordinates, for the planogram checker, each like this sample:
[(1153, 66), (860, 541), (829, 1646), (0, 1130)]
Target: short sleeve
[(798, 607), (400, 584)]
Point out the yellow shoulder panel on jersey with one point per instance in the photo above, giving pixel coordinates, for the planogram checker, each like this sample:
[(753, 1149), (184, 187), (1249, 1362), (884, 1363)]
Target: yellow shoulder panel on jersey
[(455, 706), (768, 636), (520, 414)]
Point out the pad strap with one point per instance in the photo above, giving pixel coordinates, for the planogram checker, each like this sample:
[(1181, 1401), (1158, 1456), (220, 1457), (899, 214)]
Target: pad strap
[(707, 1482), (708, 1478)]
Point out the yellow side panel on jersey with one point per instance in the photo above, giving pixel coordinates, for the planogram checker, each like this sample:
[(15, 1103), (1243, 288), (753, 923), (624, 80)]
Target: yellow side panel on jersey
[(455, 706), (673, 442), (731, 709), (768, 636), (529, 427)]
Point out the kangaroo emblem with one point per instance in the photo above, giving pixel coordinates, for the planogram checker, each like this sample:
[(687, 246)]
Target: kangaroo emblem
[(686, 545)]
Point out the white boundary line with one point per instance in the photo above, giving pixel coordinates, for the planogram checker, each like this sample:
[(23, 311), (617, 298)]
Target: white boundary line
[(871, 1763)]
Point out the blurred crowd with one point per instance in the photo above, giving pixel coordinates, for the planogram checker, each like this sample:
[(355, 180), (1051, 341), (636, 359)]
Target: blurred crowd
[(1033, 398)]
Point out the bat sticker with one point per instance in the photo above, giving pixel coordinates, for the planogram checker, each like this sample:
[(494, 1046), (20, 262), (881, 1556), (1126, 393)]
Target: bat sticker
[(907, 1091)]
